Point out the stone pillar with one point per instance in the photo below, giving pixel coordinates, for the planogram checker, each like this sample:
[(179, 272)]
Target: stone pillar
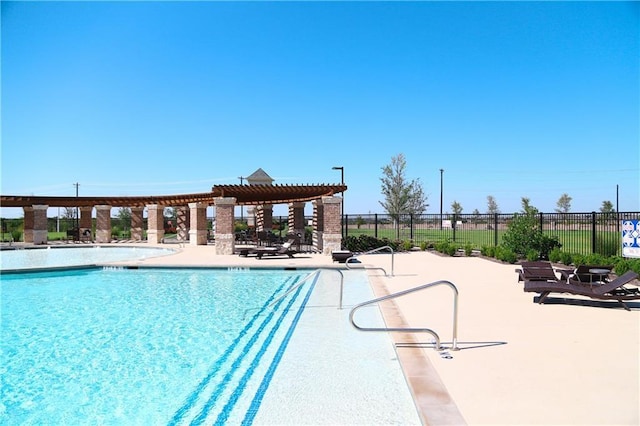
[(182, 223), (296, 219), (103, 224), (28, 224), (85, 224), (40, 224), (225, 235), (198, 228), (265, 218), (136, 223), (332, 236), (318, 225), (251, 216), (155, 223)]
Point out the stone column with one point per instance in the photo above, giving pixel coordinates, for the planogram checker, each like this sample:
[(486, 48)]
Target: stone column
[(40, 224), (85, 224), (27, 236), (198, 228), (103, 224), (296, 220), (332, 236), (182, 223), (155, 223), (136, 223), (265, 218), (225, 236), (318, 225)]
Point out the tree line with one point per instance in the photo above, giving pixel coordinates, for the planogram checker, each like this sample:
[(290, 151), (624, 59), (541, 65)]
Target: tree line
[(403, 196)]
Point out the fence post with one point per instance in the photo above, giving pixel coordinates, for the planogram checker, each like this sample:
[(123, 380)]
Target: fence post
[(346, 225), (541, 221), (495, 229), (411, 226), (593, 232)]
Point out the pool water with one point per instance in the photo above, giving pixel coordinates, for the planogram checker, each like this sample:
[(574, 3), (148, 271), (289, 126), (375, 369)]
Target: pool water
[(134, 346), (54, 257), (195, 346)]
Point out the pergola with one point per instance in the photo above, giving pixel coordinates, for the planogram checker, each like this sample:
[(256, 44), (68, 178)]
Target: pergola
[(244, 195), (327, 220)]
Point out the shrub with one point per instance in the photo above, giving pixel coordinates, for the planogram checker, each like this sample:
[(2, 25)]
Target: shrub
[(364, 243), (115, 232), (566, 258), (524, 235), (468, 249), (555, 255), (489, 251), (506, 254), (533, 255), (423, 245), (578, 259), (407, 245)]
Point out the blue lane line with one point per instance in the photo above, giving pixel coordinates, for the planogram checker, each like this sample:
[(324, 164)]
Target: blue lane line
[(191, 400), (266, 380), (204, 412)]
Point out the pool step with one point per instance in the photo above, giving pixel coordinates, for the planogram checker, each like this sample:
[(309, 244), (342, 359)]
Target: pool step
[(233, 389)]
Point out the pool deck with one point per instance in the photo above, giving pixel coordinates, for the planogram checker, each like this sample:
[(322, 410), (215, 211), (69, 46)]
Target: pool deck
[(570, 361)]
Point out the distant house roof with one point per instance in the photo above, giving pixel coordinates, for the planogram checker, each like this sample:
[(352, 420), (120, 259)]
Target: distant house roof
[(259, 177)]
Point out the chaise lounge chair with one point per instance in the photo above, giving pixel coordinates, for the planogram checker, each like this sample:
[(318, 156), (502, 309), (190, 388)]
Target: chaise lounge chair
[(283, 250), (536, 271), (613, 290)]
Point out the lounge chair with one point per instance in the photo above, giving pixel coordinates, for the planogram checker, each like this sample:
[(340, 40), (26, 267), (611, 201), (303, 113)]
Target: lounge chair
[(536, 271), (341, 256), (583, 273), (283, 250), (613, 290)]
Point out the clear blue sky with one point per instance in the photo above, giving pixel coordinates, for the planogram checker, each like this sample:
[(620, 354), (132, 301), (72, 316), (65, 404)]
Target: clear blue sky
[(511, 99)]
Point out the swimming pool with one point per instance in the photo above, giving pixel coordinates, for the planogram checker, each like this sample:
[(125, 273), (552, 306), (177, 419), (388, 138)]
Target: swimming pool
[(192, 346), (56, 257)]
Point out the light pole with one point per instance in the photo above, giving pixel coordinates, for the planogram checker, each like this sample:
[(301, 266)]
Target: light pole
[(242, 178), (341, 168), (441, 172)]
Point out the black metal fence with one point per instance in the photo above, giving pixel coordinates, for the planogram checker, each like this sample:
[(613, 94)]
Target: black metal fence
[(580, 233)]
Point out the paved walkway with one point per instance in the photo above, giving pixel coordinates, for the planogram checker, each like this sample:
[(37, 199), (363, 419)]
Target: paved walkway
[(520, 363)]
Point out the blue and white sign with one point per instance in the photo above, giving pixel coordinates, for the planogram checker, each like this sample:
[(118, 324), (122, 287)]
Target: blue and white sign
[(631, 238)]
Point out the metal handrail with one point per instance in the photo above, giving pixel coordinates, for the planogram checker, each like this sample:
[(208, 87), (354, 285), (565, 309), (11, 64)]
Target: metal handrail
[(375, 250), (414, 330), (295, 286)]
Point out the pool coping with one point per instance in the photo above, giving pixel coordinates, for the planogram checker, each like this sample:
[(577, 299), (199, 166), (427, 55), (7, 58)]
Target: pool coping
[(434, 404)]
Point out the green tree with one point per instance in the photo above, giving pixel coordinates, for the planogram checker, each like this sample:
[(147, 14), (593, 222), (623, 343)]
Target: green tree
[(608, 210), (607, 207), (400, 195), (456, 208), (124, 218), (476, 217), (564, 203), (492, 205)]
